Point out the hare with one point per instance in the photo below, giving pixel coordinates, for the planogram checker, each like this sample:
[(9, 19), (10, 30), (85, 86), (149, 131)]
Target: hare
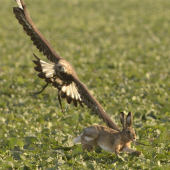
[(109, 139)]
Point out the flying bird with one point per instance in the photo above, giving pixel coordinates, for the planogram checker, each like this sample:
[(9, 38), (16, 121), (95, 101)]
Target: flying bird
[(59, 72)]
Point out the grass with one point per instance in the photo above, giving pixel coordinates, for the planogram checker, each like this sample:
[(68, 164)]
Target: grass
[(119, 49)]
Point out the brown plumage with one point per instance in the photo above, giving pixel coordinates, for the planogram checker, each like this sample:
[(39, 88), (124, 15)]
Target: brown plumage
[(59, 72)]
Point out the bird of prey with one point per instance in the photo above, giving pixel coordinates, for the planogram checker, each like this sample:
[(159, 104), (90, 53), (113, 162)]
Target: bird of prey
[(59, 72)]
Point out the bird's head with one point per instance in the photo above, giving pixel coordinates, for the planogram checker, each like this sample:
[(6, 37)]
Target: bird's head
[(60, 68), (64, 70)]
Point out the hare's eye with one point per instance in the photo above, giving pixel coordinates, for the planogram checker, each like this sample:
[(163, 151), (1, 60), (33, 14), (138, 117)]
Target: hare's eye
[(128, 131)]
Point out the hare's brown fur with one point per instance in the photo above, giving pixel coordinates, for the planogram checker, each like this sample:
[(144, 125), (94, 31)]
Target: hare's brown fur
[(109, 139)]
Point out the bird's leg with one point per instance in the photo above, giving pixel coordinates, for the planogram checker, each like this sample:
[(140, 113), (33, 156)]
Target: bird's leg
[(41, 90), (59, 99)]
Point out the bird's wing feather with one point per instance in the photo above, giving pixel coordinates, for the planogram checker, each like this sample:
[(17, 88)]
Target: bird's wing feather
[(47, 72), (92, 103), (22, 14), (44, 46)]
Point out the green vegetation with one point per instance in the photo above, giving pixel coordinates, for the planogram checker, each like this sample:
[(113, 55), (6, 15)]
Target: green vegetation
[(119, 49)]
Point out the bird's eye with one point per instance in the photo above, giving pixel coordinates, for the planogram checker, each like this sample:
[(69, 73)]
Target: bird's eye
[(61, 69)]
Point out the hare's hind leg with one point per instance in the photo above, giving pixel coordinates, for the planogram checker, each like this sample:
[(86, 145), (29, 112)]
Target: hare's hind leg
[(88, 138), (85, 144)]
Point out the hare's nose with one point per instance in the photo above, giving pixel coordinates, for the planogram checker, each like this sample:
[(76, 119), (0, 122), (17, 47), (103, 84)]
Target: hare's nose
[(134, 139)]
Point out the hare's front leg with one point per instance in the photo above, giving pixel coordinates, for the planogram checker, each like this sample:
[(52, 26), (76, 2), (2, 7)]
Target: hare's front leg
[(117, 150), (127, 149)]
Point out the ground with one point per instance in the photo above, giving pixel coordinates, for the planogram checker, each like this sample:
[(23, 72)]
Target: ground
[(119, 49)]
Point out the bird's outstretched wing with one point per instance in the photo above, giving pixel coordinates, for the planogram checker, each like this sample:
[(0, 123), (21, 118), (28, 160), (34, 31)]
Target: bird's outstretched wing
[(66, 90), (68, 84), (22, 14), (92, 103)]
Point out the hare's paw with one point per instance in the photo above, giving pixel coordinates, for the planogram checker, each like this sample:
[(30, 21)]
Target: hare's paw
[(137, 153), (84, 146), (89, 148)]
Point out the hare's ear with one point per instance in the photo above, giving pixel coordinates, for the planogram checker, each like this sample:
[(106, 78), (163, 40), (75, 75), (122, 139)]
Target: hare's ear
[(123, 119), (129, 120)]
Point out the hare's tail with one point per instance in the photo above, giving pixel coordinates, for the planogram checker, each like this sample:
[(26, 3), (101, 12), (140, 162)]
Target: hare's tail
[(77, 139)]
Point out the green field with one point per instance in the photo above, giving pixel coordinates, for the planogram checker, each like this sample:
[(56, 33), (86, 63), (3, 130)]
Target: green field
[(119, 49)]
